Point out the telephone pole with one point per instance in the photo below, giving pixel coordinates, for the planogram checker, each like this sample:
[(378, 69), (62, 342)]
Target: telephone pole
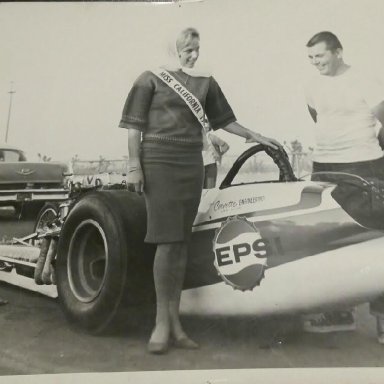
[(11, 92)]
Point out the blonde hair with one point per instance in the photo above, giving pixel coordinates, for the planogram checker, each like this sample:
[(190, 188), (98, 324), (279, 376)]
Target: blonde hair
[(185, 36)]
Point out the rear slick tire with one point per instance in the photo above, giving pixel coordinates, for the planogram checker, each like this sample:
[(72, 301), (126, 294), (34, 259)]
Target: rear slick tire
[(93, 257)]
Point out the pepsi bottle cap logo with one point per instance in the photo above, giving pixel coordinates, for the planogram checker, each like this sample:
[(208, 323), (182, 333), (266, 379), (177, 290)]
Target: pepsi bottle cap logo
[(240, 253)]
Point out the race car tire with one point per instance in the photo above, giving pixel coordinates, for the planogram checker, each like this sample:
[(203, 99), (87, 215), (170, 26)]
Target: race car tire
[(99, 266)]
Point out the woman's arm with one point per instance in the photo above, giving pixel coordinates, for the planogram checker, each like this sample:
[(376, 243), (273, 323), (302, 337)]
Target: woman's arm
[(250, 136), (135, 178)]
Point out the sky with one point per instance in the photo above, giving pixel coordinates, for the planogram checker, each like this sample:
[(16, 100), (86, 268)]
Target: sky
[(72, 64)]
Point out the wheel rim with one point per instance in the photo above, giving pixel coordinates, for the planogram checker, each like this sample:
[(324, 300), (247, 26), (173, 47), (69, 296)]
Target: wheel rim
[(47, 217), (87, 261)]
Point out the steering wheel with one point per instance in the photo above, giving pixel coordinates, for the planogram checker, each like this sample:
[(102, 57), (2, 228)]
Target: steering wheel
[(279, 157)]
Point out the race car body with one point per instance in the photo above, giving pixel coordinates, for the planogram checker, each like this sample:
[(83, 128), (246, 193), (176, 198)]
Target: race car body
[(266, 245), (277, 251)]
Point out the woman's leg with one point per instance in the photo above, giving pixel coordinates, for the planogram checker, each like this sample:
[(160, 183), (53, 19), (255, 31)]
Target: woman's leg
[(169, 271), (178, 281), (162, 268), (181, 340)]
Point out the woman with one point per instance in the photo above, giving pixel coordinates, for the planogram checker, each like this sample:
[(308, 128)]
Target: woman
[(165, 145)]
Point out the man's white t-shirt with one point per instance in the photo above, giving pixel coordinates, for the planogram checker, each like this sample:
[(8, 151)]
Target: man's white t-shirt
[(346, 129)]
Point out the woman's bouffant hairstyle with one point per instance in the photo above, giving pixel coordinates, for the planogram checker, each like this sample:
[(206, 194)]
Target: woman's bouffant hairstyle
[(326, 37), (185, 37)]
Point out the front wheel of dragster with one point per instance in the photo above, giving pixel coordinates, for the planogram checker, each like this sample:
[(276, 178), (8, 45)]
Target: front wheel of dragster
[(92, 262), (47, 214)]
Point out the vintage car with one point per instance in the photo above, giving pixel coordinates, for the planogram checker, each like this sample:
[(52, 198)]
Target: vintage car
[(30, 190), (263, 243)]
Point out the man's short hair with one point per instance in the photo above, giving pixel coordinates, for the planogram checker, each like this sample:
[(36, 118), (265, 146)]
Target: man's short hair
[(326, 37)]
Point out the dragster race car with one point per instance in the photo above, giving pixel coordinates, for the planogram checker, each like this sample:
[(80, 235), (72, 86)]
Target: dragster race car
[(263, 245)]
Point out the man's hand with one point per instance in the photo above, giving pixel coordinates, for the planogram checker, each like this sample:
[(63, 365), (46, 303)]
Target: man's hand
[(135, 180), (380, 137), (378, 111)]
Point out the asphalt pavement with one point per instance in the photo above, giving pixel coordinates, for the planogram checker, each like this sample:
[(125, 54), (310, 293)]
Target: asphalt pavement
[(37, 339)]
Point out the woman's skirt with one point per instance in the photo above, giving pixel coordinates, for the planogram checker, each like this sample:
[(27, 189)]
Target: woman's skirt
[(173, 179)]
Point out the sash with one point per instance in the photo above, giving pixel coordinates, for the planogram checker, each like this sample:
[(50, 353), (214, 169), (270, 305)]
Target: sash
[(188, 97), (193, 104)]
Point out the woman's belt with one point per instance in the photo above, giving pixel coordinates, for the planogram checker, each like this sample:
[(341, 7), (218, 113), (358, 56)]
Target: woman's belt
[(153, 137)]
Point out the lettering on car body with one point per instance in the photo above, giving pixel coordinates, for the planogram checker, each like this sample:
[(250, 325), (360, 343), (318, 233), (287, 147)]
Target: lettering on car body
[(224, 206), (240, 253)]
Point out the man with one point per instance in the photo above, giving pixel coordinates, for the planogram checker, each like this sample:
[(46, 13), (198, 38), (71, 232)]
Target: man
[(348, 110)]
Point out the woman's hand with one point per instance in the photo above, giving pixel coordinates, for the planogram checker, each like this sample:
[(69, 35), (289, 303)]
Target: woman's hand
[(250, 136), (254, 137), (135, 180), (220, 145)]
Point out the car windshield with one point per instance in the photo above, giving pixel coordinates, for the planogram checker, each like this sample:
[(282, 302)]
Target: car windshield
[(258, 168), (11, 155)]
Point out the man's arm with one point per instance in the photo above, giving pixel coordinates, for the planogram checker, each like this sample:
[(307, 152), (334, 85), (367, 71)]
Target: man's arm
[(378, 111), (313, 113)]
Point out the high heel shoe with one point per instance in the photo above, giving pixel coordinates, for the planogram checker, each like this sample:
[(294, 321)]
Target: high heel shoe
[(158, 348), (185, 342)]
